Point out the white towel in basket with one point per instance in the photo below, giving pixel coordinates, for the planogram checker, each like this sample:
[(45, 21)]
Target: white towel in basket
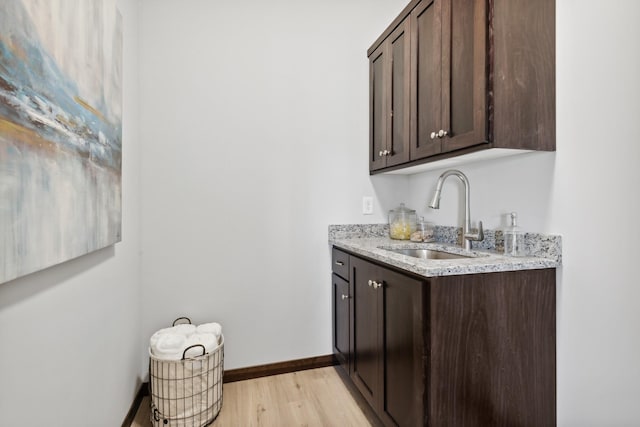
[(169, 346), (209, 341), (210, 328), (185, 329)]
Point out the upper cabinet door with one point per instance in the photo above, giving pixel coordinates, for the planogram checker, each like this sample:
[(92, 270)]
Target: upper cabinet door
[(377, 107), (464, 73), (426, 75), (399, 68), (389, 109)]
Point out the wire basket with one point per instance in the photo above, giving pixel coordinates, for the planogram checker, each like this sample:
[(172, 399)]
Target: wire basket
[(187, 392)]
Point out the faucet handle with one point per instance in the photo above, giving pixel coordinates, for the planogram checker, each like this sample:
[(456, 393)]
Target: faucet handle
[(476, 237)]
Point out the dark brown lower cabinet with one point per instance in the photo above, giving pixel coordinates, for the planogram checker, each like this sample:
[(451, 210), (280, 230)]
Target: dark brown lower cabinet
[(470, 350), (341, 322), (388, 342)]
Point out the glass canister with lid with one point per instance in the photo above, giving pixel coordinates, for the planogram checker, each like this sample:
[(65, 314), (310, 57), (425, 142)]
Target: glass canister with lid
[(424, 231), (402, 222)]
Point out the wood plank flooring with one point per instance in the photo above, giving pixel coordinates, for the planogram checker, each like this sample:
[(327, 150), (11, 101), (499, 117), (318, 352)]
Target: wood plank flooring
[(315, 397)]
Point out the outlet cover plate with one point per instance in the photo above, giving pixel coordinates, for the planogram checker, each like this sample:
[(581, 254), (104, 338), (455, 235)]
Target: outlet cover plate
[(367, 205)]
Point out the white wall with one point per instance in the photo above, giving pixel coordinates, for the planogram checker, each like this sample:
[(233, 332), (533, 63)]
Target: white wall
[(69, 335), (588, 191), (255, 128)]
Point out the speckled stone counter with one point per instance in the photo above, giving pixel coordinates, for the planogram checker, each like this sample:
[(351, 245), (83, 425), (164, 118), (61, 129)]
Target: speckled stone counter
[(372, 241)]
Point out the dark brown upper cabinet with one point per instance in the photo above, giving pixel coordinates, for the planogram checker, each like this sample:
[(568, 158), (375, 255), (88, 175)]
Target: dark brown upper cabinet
[(390, 100), (426, 72), (481, 76)]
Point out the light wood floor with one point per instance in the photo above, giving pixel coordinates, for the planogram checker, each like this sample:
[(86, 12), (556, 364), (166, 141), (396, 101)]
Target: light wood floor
[(316, 397)]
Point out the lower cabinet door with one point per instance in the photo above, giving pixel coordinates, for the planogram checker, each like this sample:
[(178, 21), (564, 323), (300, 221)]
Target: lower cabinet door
[(341, 324), (388, 363), (366, 347), (403, 366)]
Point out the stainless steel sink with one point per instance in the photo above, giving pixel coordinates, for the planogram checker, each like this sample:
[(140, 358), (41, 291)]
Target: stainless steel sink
[(428, 254)]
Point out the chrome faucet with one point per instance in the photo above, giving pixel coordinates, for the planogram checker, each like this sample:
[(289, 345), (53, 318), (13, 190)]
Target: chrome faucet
[(467, 235)]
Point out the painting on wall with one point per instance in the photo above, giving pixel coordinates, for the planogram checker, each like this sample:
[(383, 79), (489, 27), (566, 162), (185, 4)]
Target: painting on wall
[(60, 131)]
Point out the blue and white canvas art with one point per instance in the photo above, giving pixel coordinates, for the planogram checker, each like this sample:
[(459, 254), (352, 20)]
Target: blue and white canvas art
[(60, 131)]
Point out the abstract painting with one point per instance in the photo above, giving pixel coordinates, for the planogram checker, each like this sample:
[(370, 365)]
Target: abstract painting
[(60, 131)]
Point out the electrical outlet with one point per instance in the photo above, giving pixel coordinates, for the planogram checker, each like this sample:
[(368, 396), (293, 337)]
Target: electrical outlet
[(367, 205)]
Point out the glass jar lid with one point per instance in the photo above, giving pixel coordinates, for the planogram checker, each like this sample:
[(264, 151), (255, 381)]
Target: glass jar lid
[(402, 209)]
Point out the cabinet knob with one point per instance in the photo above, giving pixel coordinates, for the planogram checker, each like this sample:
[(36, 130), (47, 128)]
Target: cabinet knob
[(442, 133), (339, 263), (345, 296), (386, 152), (380, 154), (377, 285), (433, 135), (371, 282)]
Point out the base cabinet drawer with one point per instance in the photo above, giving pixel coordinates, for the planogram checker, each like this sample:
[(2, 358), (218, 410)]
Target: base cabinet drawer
[(340, 263)]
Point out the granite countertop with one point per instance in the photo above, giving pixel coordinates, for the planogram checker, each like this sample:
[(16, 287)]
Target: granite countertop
[(372, 241)]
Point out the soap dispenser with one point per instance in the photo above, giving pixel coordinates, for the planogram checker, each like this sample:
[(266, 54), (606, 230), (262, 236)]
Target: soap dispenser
[(514, 238)]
